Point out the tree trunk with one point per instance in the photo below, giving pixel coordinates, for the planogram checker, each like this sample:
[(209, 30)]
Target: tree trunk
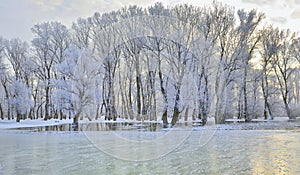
[(138, 94), (239, 115), (176, 107), (246, 114), (30, 115), (8, 101), (165, 99), (151, 95), (153, 109), (47, 103), (287, 109), (194, 114), (129, 104), (219, 113), (175, 116), (124, 104), (265, 91), (186, 114), (97, 112), (1, 112), (18, 117), (76, 118), (267, 110), (165, 118), (61, 114), (206, 104)]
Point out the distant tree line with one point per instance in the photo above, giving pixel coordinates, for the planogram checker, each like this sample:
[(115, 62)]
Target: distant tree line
[(153, 63)]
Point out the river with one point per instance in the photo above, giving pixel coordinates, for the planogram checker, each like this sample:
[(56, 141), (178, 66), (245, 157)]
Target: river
[(212, 151)]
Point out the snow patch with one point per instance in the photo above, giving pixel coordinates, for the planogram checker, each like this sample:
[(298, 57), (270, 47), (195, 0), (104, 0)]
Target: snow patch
[(10, 124)]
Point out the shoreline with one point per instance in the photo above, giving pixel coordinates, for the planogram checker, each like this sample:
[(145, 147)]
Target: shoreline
[(279, 124)]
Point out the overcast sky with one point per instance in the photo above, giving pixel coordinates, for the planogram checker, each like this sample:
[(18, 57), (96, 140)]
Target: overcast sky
[(18, 16)]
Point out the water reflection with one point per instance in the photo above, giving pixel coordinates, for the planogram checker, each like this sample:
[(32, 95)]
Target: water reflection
[(276, 154), (228, 152), (150, 126)]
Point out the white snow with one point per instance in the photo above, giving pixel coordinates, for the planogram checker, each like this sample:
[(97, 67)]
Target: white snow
[(260, 123), (10, 124)]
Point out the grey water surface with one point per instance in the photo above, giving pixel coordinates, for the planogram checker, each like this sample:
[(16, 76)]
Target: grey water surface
[(221, 152)]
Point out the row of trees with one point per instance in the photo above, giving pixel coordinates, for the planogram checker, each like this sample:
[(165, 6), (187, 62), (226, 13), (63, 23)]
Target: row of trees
[(153, 63)]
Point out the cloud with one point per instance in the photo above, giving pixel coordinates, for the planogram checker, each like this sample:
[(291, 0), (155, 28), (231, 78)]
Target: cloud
[(260, 2), (296, 14), (45, 5), (282, 20), (80, 5), (68, 11), (291, 3), (26, 13)]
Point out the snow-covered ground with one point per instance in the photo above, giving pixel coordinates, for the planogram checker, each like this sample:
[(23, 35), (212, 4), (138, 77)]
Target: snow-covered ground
[(268, 125), (9, 124)]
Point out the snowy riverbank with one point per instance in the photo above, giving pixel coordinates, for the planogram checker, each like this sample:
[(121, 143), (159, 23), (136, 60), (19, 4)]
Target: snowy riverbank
[(262, 125), (280, 123), (11, 124)]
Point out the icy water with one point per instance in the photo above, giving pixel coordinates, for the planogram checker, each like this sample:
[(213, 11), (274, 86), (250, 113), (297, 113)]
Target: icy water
[(201, 152), (117, 126)]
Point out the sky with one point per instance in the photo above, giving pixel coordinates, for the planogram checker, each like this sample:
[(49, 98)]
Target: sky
[(17, 17)]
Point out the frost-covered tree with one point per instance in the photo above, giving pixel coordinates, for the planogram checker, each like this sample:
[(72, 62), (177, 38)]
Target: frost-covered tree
[(81, 33), (179, 51), (107, 52), (245, 49), (204, 48), (20, 99), (76, 91), (159, 25), (16, 52), (134, 47), (269, 47), (226, 62), (283, 66), (255, 100), (278, 61), (3, 80), (50, 42), (295, 94), (295, 48), (153, 63)]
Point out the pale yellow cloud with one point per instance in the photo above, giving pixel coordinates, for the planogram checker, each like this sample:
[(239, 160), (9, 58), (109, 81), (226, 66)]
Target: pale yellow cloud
[(296, 14), (279, 19), (260, 2)]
